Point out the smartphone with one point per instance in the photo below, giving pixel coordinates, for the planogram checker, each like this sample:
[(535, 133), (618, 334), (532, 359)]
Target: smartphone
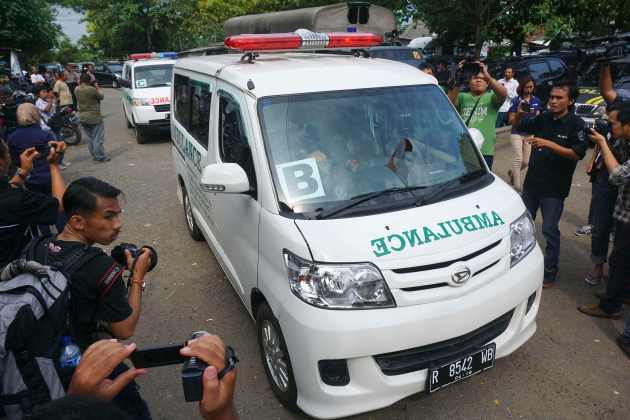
[(157, 356), (43, 150), (526, 107)]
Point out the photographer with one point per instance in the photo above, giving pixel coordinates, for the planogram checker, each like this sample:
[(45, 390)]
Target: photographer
[(23, 210), (91, 380), (101, 303), (611, 303), (479, 108), (558, 142)]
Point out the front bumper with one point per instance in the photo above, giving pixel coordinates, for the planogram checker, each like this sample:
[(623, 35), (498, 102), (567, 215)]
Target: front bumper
[(358, 336), (152, 116)]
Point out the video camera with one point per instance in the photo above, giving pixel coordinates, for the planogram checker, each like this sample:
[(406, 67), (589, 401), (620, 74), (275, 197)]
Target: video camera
[(192, 369), (612, 47)]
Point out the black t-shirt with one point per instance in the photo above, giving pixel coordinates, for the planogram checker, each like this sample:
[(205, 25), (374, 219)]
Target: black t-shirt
[(549, 174), (20, 212), (98, 292)]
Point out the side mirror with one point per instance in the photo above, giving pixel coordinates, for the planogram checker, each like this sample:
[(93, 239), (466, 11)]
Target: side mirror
[(477, 137), (125, 83), (227, 178)]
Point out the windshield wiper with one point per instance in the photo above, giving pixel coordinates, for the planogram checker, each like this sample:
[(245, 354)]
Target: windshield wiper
[(439, 192), (355, 201)]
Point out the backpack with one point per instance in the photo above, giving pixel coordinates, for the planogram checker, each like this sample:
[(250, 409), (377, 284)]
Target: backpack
[(34, 317)]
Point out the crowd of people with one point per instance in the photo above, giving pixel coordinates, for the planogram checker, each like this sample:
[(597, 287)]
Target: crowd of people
[(104, 308), (548, 143)]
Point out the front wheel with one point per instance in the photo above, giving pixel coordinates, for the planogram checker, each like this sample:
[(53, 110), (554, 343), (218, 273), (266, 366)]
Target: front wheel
[(140, 137), (275, 358), (115, 84), (191, 224), (71, 134)]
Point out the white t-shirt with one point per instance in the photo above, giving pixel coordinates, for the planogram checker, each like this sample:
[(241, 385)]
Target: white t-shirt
[(37, 78), (511, 86), (45, 116)]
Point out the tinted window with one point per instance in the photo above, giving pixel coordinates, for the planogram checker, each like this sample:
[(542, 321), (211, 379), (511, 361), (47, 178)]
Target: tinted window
[(200, 111), (538, 70), (182, 100), (234, 146), (557, 69), (99, 67), (115, 68)]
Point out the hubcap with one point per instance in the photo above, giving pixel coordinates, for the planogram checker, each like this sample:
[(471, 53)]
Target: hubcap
[(188, 211), (274, 356)]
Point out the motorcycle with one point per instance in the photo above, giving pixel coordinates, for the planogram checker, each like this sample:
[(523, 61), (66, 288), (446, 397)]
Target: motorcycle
[(8, 111), (66, 125)]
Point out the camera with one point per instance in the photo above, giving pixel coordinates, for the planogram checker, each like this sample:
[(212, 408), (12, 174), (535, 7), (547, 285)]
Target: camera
[(118, 254), (602, 126), (192, 370)]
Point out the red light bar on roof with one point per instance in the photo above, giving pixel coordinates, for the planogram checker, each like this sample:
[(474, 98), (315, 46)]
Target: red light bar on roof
[(302, 40), (146, 56)]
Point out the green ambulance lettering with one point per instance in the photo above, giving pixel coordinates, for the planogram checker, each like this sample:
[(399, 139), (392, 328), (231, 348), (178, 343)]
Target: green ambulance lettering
[(496, 219), (412, 236), (428, 234), (379, 247), (468, 224), (398, 242), (483, 220), (400, 239)]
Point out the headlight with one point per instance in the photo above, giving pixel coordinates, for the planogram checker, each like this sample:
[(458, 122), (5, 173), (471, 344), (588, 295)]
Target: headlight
[(337, 286), (141, 102), (522, 238)]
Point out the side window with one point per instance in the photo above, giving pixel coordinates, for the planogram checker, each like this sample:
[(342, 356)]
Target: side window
[(127, 74), (233, 143), (182, 100), (200, 111), (557, 69), (539, 70), (98, 67)]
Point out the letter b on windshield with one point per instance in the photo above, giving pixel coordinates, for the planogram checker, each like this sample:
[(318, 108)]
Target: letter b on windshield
[(300, 180)]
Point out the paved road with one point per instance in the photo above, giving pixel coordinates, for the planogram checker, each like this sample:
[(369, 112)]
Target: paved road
[(571, 369)]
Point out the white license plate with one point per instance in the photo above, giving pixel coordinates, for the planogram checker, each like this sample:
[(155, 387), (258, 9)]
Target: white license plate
[(462, 368)]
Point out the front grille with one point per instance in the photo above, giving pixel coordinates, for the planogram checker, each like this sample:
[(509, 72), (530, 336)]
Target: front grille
[(162, 108), (445, 263), (437, 354), (583, 109)]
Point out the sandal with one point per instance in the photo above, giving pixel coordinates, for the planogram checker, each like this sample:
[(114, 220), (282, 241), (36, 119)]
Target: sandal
[(593, 280)]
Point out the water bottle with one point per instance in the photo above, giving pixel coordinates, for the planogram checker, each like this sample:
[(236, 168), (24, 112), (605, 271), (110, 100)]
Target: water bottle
[(70, 353)]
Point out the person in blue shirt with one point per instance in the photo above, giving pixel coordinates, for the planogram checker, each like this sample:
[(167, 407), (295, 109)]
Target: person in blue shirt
[(521, 150), (29, 134)]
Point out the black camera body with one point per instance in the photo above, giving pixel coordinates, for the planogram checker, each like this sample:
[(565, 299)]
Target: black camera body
[(602, 126), (118, 254), (612, 47)]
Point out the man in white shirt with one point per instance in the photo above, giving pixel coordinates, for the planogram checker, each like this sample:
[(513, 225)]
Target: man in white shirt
[(511, 84), (36, 78), (46, 106)]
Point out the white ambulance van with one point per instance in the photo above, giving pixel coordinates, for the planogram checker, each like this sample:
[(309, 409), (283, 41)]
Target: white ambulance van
[(146, 92), (354, 216)]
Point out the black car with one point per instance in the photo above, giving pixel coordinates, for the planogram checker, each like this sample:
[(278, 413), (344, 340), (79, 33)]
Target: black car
[(108, 73), (407, 55), (545, 70)]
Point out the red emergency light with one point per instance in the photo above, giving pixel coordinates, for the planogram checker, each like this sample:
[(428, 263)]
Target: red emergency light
[(149, 55), (302, 40)]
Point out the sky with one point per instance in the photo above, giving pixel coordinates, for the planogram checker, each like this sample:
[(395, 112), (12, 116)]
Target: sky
[(70, 22)]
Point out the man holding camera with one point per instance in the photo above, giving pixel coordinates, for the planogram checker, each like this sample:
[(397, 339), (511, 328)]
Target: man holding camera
[(558, 142), (606, 87), (611, 303), (100, 301), (479, 108)]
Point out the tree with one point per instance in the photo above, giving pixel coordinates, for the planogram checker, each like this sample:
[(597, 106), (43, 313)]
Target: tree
[(28, 25)]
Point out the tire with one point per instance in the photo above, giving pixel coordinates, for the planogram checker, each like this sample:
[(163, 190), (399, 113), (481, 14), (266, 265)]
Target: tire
[(189, 217), (140, 137), (271, 340), (71, 134), (115, 84), (126, 119)]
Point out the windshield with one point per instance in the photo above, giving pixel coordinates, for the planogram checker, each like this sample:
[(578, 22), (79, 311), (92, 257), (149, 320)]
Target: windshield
[(115, 68), (153, 76), (331, 147)]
